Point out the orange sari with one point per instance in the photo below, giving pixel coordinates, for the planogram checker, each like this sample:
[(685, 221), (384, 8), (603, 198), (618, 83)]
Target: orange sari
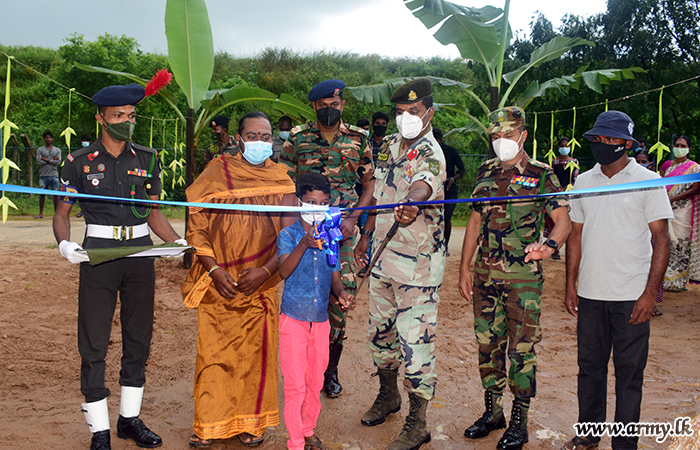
[(235, 385)]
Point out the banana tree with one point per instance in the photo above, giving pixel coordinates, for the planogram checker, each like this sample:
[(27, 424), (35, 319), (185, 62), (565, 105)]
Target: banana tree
[(483, 35), (191, 59)]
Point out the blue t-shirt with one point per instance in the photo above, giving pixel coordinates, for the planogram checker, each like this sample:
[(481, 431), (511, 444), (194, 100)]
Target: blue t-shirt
[(306, 291)]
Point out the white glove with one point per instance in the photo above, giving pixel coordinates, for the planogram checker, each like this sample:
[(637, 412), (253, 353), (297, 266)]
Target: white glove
[(69, 250), (181, 242)]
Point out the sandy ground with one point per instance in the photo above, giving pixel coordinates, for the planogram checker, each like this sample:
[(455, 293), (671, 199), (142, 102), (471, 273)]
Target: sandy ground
[(39, 363)]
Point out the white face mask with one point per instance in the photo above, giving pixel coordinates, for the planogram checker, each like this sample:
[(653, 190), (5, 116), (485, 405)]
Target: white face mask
[(506, 149), (410, 126), (312, 217), (679, 152)]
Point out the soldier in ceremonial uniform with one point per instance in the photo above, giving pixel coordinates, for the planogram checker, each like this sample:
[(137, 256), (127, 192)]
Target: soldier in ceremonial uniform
[(403, 285), (508, 277), (114, 166), (341, 152)]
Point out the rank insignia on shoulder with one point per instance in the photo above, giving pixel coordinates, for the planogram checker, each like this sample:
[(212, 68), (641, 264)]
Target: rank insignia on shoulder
[(434, 166), (139, 173), (522, 180), (69, 157), (382, 157)]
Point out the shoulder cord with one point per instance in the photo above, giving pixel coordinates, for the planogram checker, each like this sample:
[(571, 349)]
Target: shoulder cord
[(539, 226), (133, 192)]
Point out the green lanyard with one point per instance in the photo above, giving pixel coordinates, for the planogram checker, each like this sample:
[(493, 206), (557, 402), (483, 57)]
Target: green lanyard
[(539, 226), (133, 192)]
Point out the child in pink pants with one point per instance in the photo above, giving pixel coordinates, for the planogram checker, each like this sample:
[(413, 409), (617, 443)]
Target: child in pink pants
[(304, 326)]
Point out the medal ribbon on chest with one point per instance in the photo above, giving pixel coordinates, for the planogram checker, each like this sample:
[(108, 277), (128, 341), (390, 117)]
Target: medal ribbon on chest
[(139, 173), (522, 180)]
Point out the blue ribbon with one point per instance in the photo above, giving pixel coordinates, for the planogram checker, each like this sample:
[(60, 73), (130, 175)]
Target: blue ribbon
[(329, 234), (659, 182)]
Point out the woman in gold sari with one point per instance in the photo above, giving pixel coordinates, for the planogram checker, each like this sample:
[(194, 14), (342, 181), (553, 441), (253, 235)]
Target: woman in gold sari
[(684, 262), (234, 284)]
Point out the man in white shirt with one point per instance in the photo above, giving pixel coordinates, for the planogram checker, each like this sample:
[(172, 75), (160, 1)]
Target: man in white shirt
[(609, 252)]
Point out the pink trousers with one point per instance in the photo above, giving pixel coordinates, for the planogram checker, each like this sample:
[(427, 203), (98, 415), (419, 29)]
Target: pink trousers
[(303, 359)]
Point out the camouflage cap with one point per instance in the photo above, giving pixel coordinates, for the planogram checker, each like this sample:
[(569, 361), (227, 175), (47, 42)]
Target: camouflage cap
[(506, 119), (412, 91)]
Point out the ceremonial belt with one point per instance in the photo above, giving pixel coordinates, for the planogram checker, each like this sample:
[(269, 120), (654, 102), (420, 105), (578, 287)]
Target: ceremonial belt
[(120, 233)]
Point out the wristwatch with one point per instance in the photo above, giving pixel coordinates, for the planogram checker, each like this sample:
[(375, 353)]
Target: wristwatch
[(366, 233), (552, 243)]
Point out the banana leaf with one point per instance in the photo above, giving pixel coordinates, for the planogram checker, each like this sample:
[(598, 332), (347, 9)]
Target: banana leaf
[(190, 47), (477, 33)]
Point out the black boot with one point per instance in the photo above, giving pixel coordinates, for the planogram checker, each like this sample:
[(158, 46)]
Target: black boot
[(388, 400), (492, 419), (415, 431), (331, 386), (516, 435), (134, 428), (100, 441)]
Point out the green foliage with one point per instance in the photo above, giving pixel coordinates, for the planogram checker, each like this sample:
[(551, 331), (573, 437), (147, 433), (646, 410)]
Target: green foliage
[(190, 47)]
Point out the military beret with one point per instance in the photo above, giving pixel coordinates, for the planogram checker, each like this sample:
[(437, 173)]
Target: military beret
[(412, 91), (119, 95), (506, 119), (219, 121), (326, 89)]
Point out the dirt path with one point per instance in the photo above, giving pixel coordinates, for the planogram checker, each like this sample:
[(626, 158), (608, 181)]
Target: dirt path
[(39, 363)]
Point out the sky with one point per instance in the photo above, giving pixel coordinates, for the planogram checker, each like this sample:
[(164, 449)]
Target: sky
[(246, 27)]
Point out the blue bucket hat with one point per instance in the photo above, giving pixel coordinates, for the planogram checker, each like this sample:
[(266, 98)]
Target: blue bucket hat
[(614, 124)]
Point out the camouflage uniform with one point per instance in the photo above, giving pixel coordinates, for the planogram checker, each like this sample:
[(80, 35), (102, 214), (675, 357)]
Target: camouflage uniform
[(345, 161), (507, 290), (403, 288)]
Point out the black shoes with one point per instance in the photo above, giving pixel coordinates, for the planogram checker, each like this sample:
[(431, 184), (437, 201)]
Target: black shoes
[(492, 419), (101, 441), (331, 385), (516, 435), (134, 428)]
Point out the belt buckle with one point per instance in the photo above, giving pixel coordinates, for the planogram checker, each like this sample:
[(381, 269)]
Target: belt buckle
[(128, 232), (115, 233)]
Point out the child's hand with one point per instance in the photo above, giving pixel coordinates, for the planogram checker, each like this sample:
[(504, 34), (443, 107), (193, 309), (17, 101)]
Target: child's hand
[(347, 301), (308, 240)]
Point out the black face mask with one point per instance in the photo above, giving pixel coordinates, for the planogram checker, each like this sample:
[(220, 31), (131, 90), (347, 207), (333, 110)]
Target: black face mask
[(607, 153), (215, 136), (328, 116), (379, 130)]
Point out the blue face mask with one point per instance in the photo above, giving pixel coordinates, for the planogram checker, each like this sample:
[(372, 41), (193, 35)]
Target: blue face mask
[(256, 152), (284, 135), (563, 151), (85, 144)]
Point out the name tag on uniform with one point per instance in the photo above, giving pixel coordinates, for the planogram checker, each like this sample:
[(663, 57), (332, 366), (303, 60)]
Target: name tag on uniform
[(522, 180), (139, 173), (95, 176), (408, 173)]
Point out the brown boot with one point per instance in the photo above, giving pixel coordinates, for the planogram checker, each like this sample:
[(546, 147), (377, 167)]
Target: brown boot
[(388, 400), (415, 432)]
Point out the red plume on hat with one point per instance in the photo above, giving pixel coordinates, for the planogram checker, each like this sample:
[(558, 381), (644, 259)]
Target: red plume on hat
[(161, 79)]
